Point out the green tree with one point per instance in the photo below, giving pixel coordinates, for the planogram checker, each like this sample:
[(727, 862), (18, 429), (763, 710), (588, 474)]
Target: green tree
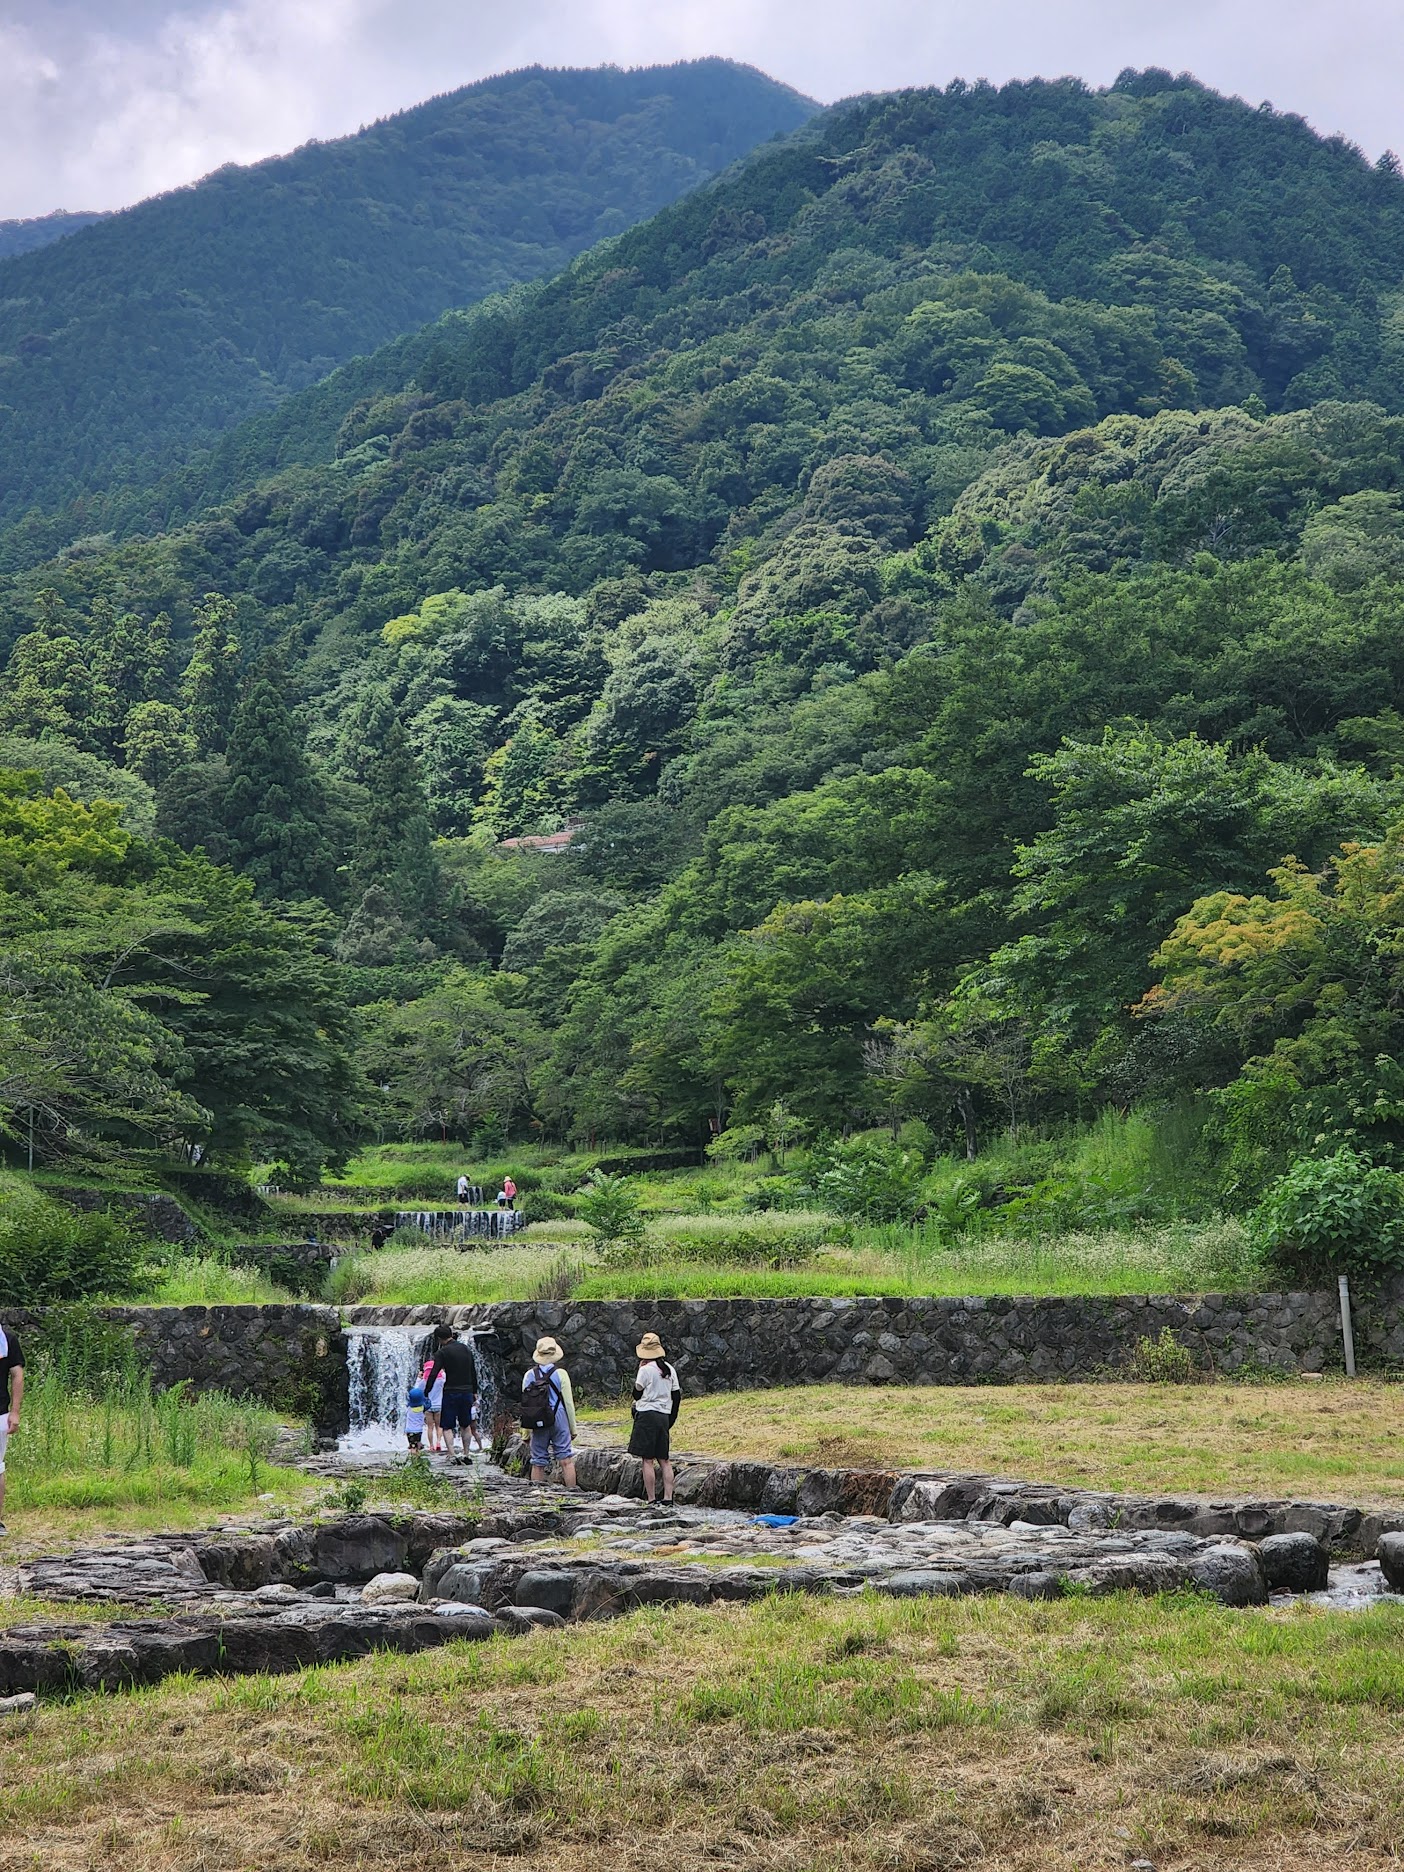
[(274, 810), (393, 845), (156, 742), (609, 1208), (209, 688), (48, 688)]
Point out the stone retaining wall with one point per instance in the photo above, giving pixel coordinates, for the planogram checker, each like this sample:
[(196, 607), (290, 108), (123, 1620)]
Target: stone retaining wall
[(155, 1212), (292, 1357), (728, 1345)]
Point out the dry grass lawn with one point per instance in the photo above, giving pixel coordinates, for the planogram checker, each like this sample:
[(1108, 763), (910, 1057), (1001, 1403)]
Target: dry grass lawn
[(798, 1735), (1331, 1440)]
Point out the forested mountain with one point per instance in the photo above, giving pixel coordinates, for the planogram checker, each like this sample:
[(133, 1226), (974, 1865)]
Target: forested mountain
[(950, 571), (18, 237), (126, 348)]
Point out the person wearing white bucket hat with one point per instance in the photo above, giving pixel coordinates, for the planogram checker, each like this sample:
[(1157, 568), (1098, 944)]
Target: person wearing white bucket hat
[(548, 1411), (657, 1395)]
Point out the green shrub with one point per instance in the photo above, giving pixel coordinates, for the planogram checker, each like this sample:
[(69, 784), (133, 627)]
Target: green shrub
[(1162, 1360), (1329, 1215), (350, 1280), (749, 1248), (543, 1205), (51, 1253), (869, 1180), (609, 1208), (779, 1192), (953, 1205), (738, 1144)]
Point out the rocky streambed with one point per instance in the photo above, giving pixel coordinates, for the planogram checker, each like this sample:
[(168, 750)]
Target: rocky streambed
[(280, 1595)]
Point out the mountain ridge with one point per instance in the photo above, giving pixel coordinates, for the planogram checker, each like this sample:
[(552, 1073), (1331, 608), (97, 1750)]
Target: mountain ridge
[(147, 333)]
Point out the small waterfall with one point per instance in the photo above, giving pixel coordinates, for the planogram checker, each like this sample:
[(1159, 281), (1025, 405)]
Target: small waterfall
[(458, 1224), (382, 1362)]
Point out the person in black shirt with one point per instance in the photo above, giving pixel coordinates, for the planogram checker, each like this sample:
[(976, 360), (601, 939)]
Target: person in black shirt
[(12, 1396), (455, 1360)]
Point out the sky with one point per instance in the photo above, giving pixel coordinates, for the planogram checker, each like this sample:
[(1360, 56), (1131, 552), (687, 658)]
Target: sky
[(103, 102)]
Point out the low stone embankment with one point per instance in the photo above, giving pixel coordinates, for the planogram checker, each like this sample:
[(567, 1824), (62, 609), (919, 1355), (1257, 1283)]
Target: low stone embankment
[(949, 1495), (284, 1595), (733, 1345)]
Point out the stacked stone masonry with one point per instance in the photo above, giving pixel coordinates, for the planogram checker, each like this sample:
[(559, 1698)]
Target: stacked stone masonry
[(292, 1357), (729, 1345), (295, 1357)]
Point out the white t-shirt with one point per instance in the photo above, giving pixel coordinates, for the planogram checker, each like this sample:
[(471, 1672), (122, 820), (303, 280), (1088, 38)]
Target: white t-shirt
[(657, 1392)]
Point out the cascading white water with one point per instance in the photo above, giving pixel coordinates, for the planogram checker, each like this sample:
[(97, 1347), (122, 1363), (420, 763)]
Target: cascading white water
[(381, 1364), (458, 1225)]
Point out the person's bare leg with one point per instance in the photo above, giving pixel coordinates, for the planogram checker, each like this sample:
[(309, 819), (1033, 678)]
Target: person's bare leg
[(538, 1474), (568, 1472), (649, 1484), (667, 1468)]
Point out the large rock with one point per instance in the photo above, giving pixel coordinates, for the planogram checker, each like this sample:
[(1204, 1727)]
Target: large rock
[(240, 1564), (1294, 1563), (1389, 1551), (551, 1589), (1233, 1574), (472, 1585), (390, 1589), (921, 1583), (357, 1547), (1141, 1573)]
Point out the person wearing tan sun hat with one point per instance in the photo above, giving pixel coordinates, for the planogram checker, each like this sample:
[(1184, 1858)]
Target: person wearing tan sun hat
[(657, 1395), (548, 1411)]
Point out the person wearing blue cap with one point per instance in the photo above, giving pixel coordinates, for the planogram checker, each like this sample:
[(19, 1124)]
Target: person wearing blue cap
[(414, 1417)]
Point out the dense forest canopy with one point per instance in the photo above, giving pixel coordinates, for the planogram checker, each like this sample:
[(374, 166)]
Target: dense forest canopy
[(945, 575), (126, 348), (17, 237)]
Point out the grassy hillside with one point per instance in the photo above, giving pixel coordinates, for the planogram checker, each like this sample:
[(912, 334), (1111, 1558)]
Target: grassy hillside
[(126, 349)]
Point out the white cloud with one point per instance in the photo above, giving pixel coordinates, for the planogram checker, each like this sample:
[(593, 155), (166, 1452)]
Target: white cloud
[(104, 101)]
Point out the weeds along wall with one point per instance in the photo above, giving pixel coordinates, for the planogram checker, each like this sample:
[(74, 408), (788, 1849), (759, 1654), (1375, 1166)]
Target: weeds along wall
[(731, 1345), (290, 1357)]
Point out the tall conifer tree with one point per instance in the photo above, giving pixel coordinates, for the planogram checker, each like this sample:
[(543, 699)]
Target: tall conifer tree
[(394, 839), (209, 688), (275, 811)]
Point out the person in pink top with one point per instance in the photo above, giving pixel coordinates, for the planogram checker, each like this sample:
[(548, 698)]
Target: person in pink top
[(432, 1403), (509, 1190)]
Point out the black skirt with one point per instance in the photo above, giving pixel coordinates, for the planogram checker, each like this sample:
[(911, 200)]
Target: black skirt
[(649, 1437)]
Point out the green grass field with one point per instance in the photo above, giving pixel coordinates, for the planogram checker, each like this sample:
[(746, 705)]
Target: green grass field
[(1333, 1440), (796, 1735)]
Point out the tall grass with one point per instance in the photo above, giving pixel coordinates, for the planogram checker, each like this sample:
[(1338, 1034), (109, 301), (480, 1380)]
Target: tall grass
[(206, 1280), (107, 1440), (1175, 1257)]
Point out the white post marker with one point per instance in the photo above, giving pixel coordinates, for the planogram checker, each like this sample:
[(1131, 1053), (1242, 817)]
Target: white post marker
[(1347, 1336)]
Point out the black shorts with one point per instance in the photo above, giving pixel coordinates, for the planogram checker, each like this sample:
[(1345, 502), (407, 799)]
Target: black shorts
[(649, 1437), (456, 1411)]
